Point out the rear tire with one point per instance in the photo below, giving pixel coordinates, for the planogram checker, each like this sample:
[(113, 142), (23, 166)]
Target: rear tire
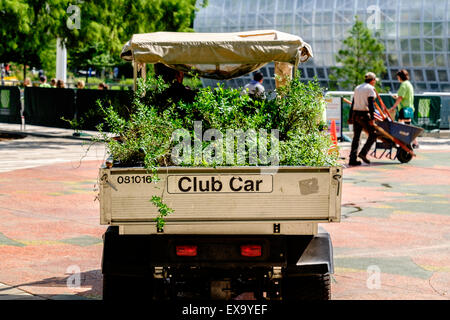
[(403, 156), (312, 287)]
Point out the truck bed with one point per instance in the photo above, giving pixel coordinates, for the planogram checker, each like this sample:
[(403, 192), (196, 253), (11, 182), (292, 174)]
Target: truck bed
[(222, 200)]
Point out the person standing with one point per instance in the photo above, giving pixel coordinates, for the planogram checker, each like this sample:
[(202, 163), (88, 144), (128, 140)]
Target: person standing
[(405, 100), (102, 86), (27, 82), (255, 89), (80, 84), (43, 80), (176, 91), (60, 84), (362, 115)]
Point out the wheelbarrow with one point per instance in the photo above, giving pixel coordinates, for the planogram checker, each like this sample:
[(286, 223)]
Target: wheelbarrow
[(393, 135)]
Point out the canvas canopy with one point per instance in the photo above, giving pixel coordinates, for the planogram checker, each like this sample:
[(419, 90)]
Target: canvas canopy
[(218, 55)]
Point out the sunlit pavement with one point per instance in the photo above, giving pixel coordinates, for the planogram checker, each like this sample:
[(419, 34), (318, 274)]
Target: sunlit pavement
[(49, 230), (49, 219), (395, 220), (393, 241)]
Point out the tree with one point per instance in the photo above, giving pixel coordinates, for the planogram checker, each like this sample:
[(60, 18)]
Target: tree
[(361, 53), (24, 30), (107, 24), (29, 28)]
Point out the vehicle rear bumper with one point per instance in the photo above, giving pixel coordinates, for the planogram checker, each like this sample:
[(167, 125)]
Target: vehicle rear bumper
[(140, 254)]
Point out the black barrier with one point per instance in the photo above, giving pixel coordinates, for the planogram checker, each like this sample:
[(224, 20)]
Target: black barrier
[(46, 106), (10, 104), (88, 110)]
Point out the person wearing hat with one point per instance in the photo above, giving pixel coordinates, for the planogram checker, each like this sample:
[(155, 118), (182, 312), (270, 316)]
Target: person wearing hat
[(361, 114)]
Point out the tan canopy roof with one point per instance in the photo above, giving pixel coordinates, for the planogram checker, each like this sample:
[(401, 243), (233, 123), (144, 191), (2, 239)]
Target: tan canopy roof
[(259, 46), (197, 50)]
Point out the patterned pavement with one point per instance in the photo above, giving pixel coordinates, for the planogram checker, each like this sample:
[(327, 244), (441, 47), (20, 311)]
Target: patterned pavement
[(49, 224), (394, 238), (395, 220)]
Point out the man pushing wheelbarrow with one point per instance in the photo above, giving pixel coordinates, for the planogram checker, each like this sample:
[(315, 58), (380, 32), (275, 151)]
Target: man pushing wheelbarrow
[(375, 120)]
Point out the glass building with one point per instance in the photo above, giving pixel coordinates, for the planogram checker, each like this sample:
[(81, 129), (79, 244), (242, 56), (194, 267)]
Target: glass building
[(415, 33)]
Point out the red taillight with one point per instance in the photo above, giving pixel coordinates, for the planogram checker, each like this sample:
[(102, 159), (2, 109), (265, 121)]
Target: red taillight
[(187, 251), (251, 250)]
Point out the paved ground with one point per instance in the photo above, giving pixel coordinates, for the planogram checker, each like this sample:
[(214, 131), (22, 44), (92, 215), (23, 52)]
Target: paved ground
[(395, 220), (49, 223)]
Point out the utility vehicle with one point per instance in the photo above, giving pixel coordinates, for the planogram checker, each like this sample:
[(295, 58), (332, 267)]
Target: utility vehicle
[(234, 229)]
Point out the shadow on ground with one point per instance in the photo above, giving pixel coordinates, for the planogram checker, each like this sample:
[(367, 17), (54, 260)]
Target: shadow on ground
[(27, 144), (92, 279)]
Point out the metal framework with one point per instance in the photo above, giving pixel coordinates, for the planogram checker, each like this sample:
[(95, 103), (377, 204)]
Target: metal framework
[(414, 32)]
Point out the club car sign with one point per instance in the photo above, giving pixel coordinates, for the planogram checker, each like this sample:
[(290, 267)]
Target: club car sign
[(219, 184)]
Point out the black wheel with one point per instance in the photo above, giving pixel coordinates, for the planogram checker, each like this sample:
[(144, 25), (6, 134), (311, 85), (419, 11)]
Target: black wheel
[(121, 287), (403, 156), (312, 287)]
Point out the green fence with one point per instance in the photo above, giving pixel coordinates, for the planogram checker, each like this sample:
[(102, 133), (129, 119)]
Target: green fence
[(10, 104), (445, 112), (427, 110)]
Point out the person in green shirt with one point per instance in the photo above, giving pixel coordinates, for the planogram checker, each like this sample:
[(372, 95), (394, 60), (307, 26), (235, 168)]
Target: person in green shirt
[(43, 80), (405, 100)]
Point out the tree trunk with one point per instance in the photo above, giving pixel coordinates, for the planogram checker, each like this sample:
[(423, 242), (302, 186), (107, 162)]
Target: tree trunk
[(24, 72)]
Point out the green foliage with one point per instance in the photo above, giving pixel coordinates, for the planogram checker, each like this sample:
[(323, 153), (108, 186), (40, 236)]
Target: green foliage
[(192, 82), (47, 56), (75, 124), (95, 55), (107, 24), (360, 54), (163, 211), (145, 138), (26, 29), (221, 108), (310, 149), (300, 109), (303, 143), (29, 28)]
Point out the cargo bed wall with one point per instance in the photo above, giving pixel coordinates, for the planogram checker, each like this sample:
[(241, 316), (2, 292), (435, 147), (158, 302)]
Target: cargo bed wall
[(240, 200)]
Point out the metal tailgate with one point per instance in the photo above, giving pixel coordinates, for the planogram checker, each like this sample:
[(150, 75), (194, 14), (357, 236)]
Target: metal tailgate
[(225, 198)]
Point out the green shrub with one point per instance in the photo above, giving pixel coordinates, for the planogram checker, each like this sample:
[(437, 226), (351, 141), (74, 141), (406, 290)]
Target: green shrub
[(146, 137)]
